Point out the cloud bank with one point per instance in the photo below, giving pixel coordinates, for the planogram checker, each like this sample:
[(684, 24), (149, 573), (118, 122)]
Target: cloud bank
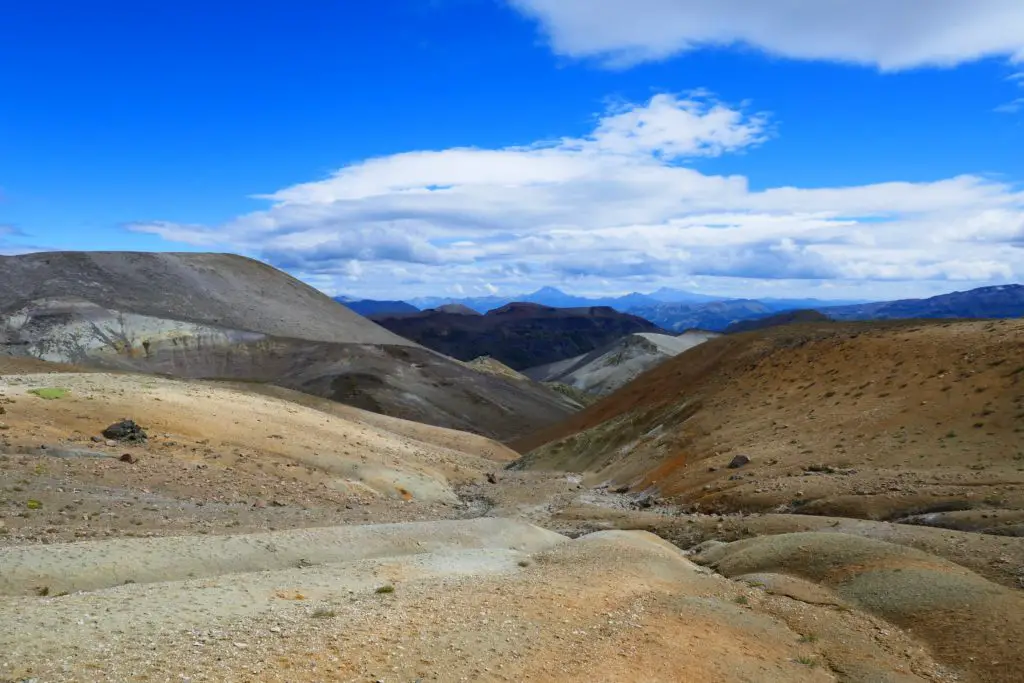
[(619, 209), (888, 34)]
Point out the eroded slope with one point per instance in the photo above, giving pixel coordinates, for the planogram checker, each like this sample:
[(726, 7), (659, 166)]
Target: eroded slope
[(863, 420), (224, 316)]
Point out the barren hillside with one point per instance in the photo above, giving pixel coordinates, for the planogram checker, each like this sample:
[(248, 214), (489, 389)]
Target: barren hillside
[(879, 421), (228, 317), (264, 534), (220, 290)]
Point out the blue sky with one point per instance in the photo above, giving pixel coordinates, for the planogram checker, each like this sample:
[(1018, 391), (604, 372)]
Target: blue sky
[(403, 147)]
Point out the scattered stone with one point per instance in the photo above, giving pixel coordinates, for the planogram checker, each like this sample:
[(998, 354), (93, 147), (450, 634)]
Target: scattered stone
[(260, 504), (4, 426), (110, 442), (125, 431), (97, 439), (128, 458), (738, 462), (621, 489)]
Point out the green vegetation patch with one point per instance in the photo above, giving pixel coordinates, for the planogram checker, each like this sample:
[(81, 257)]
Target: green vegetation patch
[(50, 393)]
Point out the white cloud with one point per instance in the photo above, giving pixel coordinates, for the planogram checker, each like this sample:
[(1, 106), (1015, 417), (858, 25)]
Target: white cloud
[(889, 34), (1011, 107), (620, 205)]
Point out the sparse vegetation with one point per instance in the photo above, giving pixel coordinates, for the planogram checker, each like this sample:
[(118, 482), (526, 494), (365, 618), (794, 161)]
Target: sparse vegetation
[(385, 589), (324, 613), (741, 600), (49, 393)]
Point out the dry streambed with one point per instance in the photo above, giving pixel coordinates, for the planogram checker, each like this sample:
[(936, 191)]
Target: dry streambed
[(488, 599)]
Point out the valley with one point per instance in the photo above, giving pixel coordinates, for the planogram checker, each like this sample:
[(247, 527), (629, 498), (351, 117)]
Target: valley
[(814, 501)]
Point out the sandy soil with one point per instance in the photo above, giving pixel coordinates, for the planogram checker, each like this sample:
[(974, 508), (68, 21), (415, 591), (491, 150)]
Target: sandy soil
[(250, 541)]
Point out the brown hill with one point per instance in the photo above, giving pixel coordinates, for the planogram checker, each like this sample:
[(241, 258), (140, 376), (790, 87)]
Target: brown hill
[(520, 335), (913, 419), (228, 317)]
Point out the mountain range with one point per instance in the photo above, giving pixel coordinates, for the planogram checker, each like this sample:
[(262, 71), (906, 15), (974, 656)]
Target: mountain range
[(520, 335), (678, 310)]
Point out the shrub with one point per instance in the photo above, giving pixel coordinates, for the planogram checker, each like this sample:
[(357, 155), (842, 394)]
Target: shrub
[(49, 393)]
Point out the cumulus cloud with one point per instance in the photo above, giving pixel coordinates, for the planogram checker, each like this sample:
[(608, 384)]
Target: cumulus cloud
[(618, 205), (888, 34)]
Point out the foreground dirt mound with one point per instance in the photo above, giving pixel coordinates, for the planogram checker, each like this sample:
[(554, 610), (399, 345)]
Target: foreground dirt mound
[(998, 558), (93, 565), (970, 623), (224, 316), (492, 600), (209, 443), (870, 420)]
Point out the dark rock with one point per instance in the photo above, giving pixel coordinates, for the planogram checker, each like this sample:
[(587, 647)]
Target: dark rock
[(128, 458), (491, 479), (125, 431), (738, 462), (621, 489)]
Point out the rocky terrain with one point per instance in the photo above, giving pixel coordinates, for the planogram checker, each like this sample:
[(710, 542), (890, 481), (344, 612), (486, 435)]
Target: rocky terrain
[(261, 534), (815, 502), (520, 335), (604, 370), (228, 317)]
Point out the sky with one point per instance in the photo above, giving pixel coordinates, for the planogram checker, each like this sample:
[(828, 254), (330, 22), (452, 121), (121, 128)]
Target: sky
[(861, 149)]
